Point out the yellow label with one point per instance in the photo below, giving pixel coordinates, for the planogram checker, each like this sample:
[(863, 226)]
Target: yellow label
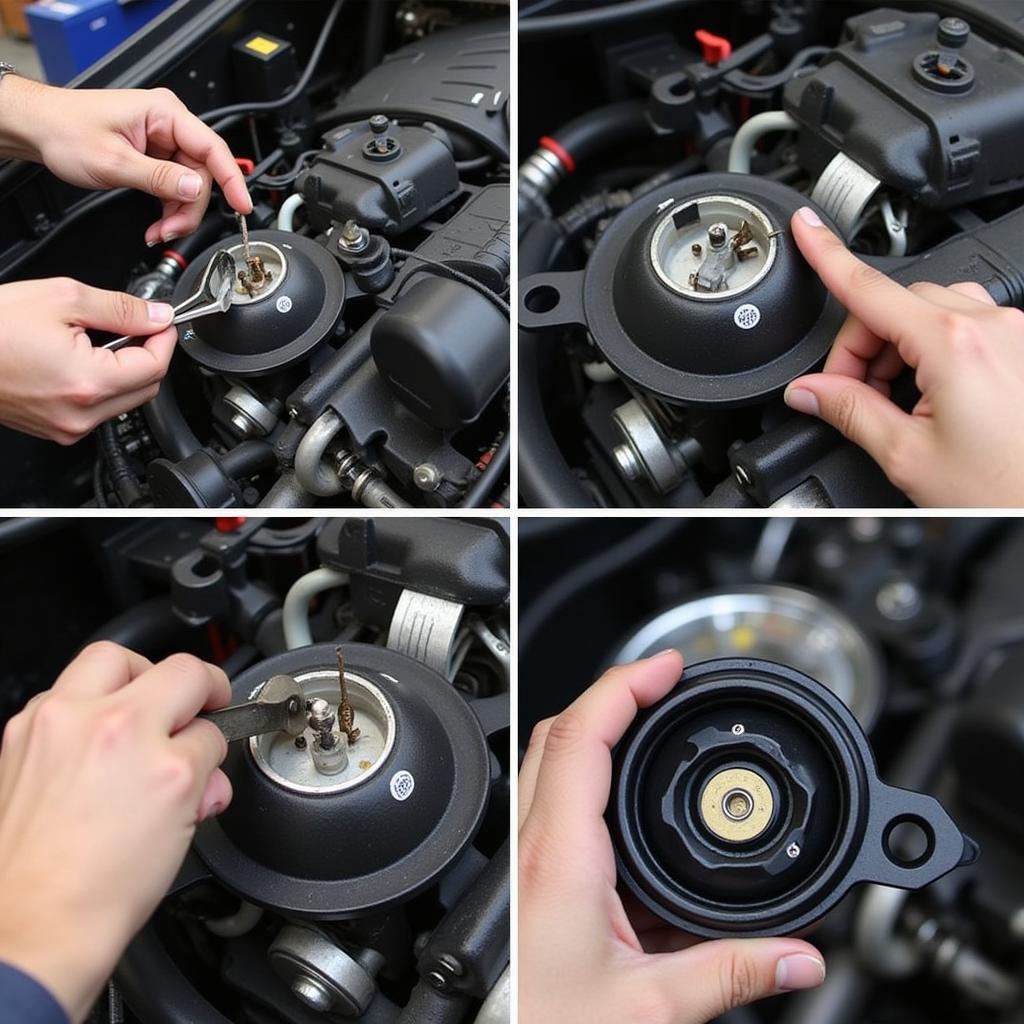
[(261, 45)]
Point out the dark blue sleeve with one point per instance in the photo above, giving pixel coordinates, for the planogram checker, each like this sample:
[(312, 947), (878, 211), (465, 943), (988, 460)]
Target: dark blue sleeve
[(24, 1001)]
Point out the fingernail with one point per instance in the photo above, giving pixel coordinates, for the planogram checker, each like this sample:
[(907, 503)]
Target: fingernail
[(170, 237), (151, 244), (799, 970), (802, 400), (808, 216), (664, 653), (189, 186), (160, 313), (213, 810)]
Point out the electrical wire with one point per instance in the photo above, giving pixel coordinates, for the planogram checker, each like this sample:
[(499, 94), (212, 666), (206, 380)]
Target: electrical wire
[(456, 275), (220, 114)]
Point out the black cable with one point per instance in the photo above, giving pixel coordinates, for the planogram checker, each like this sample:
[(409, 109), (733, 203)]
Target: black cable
[(18, 530), (455, 275), (98, 490), (122, 479), (297, 90), (477, 163), (597, 17), (477, 494), (281, 180)]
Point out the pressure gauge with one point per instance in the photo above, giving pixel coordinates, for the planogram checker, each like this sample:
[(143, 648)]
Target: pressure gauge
[(782, 624)]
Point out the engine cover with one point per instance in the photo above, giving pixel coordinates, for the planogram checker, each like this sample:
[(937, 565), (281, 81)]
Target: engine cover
[(378, 832), (697, 293)]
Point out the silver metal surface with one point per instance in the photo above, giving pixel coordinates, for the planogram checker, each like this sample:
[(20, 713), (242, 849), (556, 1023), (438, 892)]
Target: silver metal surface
[(777, 623), (425, 628), (311, 469), (254, 418), (322, 974), (648, 453), (844, 190), (497, 1007), (293, 768), (720, 253)]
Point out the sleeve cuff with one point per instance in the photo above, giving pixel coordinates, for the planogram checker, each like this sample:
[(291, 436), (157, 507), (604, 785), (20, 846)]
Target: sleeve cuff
[(25, 1001)]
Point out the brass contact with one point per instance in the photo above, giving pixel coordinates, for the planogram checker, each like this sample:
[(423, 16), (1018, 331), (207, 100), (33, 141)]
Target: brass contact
[(737, 805)]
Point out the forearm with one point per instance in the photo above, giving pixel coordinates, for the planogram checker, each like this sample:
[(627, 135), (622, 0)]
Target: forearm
[(20, 102)]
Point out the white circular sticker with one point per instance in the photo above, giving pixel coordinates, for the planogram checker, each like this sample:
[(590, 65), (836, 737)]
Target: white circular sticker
[(284, 304), (747, 316), (402, 785)]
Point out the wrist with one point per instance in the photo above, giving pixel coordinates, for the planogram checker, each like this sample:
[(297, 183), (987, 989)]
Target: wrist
[(66, 963), (20, 116)]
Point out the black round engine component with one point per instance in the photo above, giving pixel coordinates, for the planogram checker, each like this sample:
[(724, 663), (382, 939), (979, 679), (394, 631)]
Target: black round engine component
[(746, 802), (443, 349), (344, 844), (698, 293), (279, 324)]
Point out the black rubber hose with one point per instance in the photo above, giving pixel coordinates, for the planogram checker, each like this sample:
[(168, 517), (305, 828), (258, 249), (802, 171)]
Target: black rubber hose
[(168, 426), (149, 627), (595, 18), (545, 479), (20, 530), (603, 128), (478, 493), (154, 987), (248, 459), (122, 479)]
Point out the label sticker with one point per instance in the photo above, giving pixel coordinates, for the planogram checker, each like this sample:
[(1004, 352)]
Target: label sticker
[(284, 304), (258, 44), (746, 316), (402, 785)]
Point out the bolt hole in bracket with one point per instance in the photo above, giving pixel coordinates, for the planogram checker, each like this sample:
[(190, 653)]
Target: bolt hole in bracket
[(763, 830)]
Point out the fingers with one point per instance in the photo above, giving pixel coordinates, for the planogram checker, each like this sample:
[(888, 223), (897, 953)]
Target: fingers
[(205, 748), (855, 409), (202, 143), (140, 366), (216, 796), (886, 308), (117, 312), (100, 669), (710, 979), (574, 775), (530, 767), (181, 686)]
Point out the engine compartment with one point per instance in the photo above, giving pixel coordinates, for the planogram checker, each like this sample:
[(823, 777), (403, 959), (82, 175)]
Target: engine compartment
[(367, 364), (361, 871), (663, 305)]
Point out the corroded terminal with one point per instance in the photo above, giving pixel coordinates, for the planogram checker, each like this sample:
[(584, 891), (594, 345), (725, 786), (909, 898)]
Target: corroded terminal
[(255, 278), (346, 715), (330, 749)]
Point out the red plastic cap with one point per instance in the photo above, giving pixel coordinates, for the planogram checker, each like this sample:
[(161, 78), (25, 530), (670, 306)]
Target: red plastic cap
[(228, 524), (716, 48), (245, 165)]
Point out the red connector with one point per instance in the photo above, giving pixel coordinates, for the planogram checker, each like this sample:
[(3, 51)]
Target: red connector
[(716, 48)]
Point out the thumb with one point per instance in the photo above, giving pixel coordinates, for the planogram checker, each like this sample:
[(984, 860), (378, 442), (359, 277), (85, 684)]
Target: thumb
[(711, 978), (161, 178), (859, 412), (119, 312)]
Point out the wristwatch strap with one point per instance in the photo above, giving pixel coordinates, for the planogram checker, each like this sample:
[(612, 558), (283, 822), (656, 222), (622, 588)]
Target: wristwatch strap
[(6, 69)]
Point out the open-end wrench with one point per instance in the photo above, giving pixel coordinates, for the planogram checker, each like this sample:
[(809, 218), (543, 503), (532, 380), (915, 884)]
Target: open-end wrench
[(280, 707)]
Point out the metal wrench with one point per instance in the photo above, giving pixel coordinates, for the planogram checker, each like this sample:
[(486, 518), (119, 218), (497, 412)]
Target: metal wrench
[(278, 708), (212, 296)]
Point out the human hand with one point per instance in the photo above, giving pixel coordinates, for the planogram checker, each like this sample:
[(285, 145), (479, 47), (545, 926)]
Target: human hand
[(132, 138), (959, 446), (53, 382), (102, 781), (584, 957)]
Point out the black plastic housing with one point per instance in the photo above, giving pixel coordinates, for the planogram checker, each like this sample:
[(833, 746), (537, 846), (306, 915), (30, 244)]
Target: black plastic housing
[(685, 350), (362, 850), (945, 142), (833, 816), (388, 194), (443, 349)]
